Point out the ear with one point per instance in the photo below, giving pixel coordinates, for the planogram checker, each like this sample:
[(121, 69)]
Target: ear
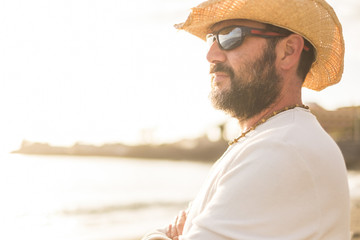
[(290, 51)]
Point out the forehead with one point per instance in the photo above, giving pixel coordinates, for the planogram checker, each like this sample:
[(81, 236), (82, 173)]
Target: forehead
[(236, 22)]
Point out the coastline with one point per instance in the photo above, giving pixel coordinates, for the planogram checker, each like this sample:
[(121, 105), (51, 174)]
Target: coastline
[(198, 149)]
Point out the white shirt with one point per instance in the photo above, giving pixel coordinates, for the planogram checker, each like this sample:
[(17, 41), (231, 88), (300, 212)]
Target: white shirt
[(286, 180)]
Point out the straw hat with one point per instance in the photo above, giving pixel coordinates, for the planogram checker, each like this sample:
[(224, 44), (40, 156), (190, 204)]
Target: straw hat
[(315, 20)]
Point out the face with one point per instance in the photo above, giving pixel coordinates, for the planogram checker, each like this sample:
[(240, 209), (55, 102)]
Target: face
[(244, 79)]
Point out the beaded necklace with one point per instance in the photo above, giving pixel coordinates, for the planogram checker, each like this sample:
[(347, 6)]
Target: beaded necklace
[(261, 121)]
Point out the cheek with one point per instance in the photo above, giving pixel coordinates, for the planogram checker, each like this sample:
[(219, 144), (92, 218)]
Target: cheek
[(242, 61), (242, 68), (251, 50), (237, 59)]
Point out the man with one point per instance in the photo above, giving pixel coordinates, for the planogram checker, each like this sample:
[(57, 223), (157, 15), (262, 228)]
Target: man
[(283, 178)]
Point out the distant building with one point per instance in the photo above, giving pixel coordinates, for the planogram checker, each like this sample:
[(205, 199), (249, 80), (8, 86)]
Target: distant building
[(342, 124)]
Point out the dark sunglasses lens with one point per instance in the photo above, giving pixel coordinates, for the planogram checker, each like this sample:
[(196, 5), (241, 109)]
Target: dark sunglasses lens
[(230, 38)]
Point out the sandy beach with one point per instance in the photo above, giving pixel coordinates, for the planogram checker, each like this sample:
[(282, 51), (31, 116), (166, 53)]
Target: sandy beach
[(355, 217), (354, 186)]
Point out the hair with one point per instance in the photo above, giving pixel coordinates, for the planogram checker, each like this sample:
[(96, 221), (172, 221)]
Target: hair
[(307, 57)]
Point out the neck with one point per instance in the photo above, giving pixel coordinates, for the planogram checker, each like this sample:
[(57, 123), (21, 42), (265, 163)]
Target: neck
[(247, 124), (289, 96)]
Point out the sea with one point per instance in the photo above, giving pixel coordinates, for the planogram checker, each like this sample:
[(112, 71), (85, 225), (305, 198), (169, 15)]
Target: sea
[(96, 198)]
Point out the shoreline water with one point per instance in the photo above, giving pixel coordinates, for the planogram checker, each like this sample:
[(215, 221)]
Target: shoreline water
[(97, 198)]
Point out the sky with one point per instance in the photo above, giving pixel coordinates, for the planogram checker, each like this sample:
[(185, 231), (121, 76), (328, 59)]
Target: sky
[(96, 71)]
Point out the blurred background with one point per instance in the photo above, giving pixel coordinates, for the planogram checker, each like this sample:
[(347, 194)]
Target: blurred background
[(90, 90)]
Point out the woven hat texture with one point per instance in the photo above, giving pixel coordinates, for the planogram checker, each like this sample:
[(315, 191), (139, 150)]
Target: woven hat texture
[(315, 20)]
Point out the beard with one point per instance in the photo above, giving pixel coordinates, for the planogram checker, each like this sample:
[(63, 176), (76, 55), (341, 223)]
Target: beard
[(249, 96)]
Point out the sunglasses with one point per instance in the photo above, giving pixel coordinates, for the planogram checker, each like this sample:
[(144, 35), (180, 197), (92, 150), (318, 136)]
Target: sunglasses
[(232, 37)]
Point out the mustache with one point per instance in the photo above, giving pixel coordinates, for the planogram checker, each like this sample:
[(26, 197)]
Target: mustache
[(221, 67)]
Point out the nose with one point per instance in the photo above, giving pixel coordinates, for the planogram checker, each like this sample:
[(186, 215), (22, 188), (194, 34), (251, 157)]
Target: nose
[(215, 54)]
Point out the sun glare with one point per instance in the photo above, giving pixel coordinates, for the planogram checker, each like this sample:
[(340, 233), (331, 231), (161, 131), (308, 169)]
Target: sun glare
[(108, 71)]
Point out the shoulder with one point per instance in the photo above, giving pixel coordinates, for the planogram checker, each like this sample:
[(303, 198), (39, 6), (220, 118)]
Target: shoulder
[(290, 142), (297, 132)]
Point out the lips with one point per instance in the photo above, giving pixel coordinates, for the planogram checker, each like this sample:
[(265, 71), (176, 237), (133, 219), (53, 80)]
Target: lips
[(220, 75), (221, 70), (219, 78)]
